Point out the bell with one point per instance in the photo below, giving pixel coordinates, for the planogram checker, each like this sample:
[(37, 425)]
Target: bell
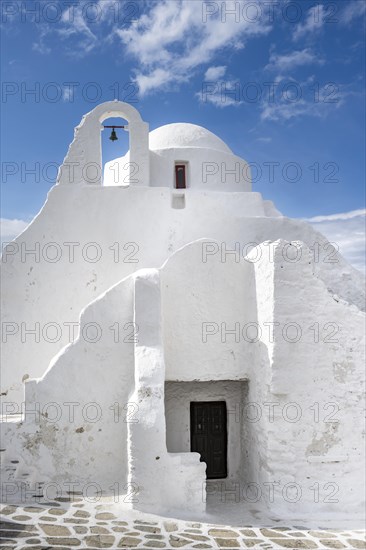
[(113, 136)]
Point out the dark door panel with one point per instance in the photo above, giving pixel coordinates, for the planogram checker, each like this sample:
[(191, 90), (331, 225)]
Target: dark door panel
[(209, 436), (180, 176)]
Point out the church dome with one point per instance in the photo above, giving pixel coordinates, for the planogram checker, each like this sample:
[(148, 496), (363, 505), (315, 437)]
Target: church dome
[(183, 134)]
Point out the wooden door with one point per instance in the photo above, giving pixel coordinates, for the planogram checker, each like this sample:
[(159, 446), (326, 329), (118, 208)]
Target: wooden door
[(209, 436)]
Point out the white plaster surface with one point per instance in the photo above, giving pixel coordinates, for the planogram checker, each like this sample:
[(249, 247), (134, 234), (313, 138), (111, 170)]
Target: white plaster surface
[(222, 257)]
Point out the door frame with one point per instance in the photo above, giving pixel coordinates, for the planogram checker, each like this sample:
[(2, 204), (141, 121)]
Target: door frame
[(177, 166), (225, 432)]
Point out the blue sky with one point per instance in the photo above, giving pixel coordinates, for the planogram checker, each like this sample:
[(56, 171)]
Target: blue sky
[(281, 82)]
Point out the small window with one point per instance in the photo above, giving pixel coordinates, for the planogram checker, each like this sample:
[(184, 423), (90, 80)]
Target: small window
[(180, 176)]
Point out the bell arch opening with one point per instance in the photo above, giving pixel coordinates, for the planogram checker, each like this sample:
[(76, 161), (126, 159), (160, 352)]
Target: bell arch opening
[(85, 151), (115, 146)]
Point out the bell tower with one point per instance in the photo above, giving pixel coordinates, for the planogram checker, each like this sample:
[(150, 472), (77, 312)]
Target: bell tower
[(83, 162)]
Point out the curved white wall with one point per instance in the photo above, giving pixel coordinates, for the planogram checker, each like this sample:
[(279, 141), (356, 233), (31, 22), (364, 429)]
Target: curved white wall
[(206, 169)]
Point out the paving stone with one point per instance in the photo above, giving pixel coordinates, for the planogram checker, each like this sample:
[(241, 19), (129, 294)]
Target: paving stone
[(332, 543), (296, 543), (99, 541), (16, 534), (192, 536), (67, 541), (147, 528), (86, 529), (129, 542), (99, 530), (223, 533), (57, 511), (357, 543), (73, 520), (322, 534), (178, 542), (170, 526), (105, 515), (227, 543), (55, 530), (248, 532), (17, 526), (82, 514), (271, 533), (80, 529), (8, 510)]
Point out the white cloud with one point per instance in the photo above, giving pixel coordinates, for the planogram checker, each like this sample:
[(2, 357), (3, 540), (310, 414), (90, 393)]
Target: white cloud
[(67, 94), (173, 39), (354, 9), (264, 139), (215, 73), (169, 40), (221, 93), (347, 231), (285, 111), (297, 58), (300, 100), (9, 229), (315, 19), (73, 29), (40, 46), (341, 216)]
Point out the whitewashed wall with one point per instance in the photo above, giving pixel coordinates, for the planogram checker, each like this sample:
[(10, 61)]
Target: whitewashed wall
[(291, 376), (147, 230)]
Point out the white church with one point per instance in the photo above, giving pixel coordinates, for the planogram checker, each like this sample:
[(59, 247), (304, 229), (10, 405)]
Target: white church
[(166, 329)]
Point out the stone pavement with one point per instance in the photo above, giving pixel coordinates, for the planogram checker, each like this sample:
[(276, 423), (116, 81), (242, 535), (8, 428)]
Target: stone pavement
[(64, 524)]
